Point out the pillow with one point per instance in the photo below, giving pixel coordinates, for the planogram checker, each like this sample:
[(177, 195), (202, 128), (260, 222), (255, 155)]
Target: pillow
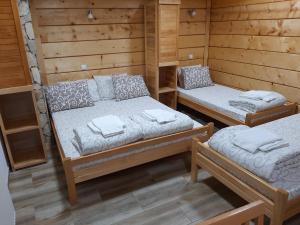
[(179, 73), (68, 95), (127, 87), (92, 86), (105, 86), (195, 77)]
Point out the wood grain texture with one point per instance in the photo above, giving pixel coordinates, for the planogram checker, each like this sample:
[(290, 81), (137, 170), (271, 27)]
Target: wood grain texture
[(255, 44), (13, 61)]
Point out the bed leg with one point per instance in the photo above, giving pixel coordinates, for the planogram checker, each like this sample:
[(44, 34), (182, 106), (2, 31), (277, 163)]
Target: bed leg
[(279, 208), (72, 194), (194, 166)]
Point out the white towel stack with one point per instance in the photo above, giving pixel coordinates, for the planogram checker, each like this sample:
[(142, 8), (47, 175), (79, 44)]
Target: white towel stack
[(159, 115), (258, 139), (108, 126), (266, 96)]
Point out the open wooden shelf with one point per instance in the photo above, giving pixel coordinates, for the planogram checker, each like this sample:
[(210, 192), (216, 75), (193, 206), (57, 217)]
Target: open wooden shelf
[(20, 127), (166, 90), (17, 111), (26, 148), (169, 99)]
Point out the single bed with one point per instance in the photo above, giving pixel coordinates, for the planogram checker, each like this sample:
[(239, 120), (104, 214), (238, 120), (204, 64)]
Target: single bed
[(80, 168), (213, 101), (281, 196)]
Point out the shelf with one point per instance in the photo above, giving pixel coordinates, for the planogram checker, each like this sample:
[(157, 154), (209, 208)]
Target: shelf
[(21, 129), (26, 148), (169, 99), (164, 64), (13, 90), (18, 112), (163, 90)]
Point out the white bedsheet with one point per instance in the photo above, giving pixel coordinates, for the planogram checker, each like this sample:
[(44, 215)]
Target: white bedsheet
[(65, 121), (217, 98), (260, 163)]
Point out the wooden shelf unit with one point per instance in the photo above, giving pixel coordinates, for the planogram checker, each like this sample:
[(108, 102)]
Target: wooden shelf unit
[(21, 128), (161, 53)]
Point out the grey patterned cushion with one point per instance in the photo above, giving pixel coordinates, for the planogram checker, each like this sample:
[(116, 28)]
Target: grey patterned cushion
[(127, 87), (195, 77), (69, 95), (105, 86), (92, 86)]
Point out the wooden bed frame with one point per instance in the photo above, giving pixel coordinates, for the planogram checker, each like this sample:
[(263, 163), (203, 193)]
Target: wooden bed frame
[(253, 212), (277, 206), (252, 119), (113, 165)]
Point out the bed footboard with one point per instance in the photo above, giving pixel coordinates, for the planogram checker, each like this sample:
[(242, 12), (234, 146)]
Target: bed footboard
[(244, 183), (254, 119), (253, 212), (106, 162)]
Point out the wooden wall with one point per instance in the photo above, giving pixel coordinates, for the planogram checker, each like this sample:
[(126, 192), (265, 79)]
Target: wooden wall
[(256, 44), (13, 63), (112, 42), (192, 33)]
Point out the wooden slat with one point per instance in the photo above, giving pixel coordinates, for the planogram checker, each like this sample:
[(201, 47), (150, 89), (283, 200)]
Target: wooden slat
[(71, 64), (192, 28), (274, 75), (239, 82), (53, 78), (191, 41), (275, 10), (267, 43), (283, 27), (193, 4), (64, 49), (264, 58), (227, 3), (46, 4), (52, 17), (185, 15), (90, 32), (197, 53)]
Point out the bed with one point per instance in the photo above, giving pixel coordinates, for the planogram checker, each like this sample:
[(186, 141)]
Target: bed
[(281, 196), (80, 168), (213, 101)]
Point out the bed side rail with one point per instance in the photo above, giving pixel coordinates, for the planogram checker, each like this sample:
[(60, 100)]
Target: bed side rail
[(253, 212)]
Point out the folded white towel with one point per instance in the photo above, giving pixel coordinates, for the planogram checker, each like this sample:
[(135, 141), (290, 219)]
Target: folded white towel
[(108, 125), (274, 145), (253, 139), (160, 115), (266, 96)]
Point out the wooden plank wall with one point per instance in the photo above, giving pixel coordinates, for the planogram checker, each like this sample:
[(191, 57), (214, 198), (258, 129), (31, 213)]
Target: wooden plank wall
[(113, 42), (192, 30), (256, 44), (13, 64)]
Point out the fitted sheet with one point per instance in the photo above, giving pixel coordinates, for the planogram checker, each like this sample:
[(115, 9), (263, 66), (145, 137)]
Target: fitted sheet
[(288, 129), (216, 97), (65, 121)]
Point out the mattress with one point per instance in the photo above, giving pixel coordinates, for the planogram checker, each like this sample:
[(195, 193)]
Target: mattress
[(288, 129), (65, 121), (216, 97)]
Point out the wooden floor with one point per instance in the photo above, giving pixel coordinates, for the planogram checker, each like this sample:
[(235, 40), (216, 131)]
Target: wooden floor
[(159, 193)]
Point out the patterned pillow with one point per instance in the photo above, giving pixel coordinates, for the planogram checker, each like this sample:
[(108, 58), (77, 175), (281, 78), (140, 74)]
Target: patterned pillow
[(127, 87), (69, 95), (92, 86), (105, 86), (195, 77)]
